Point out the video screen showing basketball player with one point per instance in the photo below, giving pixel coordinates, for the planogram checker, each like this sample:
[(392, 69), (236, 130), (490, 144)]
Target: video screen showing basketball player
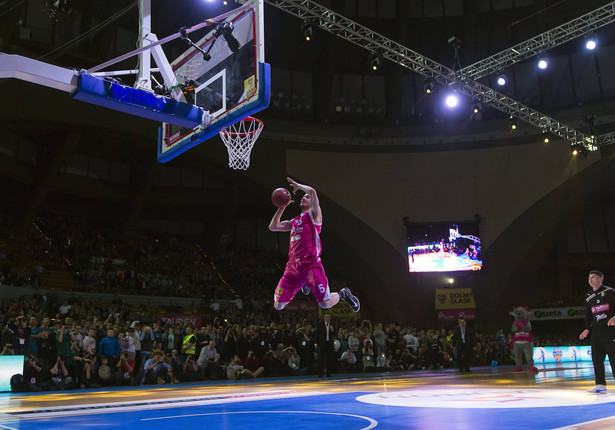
[(304, 270)]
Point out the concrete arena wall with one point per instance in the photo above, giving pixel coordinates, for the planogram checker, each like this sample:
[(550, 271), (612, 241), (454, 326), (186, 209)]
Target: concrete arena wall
[(499, 184), (365, 197)]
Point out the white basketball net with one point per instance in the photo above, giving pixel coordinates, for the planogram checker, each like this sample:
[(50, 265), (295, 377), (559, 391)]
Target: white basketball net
[(239, 139)]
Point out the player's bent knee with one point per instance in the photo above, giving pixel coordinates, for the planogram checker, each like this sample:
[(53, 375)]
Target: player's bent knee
[(279, 306), (325, 304)]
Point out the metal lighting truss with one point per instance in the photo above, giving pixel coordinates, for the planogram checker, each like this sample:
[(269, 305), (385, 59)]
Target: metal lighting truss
[(549, 39), (365, 38)]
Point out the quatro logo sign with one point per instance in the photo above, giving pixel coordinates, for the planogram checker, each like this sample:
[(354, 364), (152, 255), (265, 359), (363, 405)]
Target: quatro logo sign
[(488, 398)]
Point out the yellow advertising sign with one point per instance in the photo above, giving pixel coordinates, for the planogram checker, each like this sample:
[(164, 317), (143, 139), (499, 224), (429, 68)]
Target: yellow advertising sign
[(459, 298), (341, 312)]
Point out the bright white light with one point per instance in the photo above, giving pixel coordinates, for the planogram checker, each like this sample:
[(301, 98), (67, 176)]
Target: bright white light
[(452, 101), (501, 81), (542, 64), (590, 44)]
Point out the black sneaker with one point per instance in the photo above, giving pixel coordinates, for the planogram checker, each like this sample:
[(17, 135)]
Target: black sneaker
[(305, 290), (347, 296)]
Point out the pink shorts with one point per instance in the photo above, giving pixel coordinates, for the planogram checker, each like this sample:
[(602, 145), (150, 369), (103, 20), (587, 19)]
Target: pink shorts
[(299, 273)]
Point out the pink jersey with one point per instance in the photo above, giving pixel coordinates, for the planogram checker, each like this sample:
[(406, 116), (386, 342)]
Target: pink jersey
[(304, 237)]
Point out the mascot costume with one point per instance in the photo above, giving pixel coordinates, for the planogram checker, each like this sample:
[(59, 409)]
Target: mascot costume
[(523, 342)]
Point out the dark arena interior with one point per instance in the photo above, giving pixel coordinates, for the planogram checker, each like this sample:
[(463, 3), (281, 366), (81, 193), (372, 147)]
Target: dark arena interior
[(456, 179)]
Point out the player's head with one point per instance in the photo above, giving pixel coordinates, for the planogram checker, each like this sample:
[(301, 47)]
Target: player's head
[(306, 203), (595, 279)]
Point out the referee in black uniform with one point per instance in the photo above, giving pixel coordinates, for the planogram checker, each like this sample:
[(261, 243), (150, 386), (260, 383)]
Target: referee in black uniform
[(600, 319)]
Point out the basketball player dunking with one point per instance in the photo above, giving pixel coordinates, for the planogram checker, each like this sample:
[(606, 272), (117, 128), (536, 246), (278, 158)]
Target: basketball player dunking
[(304, 268)]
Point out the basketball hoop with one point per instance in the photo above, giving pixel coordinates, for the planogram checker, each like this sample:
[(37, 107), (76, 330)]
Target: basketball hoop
[(239, 139)]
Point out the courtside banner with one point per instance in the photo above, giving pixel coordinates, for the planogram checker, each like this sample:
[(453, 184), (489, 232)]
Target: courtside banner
[(455, 314), (570, 312), (181, 319), (562, 354), (459, 298)]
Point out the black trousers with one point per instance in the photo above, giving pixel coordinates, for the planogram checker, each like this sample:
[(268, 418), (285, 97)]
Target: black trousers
[(326, 360), (463, 352), (602, 343)]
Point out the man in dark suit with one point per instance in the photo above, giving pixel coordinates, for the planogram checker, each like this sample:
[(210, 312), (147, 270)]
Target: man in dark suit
[(463, 339), (324, 336)]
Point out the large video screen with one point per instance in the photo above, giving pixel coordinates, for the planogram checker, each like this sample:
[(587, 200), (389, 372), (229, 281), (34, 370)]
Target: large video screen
[(444, 247)]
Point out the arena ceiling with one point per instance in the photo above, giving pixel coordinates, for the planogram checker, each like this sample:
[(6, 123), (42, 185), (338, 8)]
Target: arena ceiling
[(325, 94), (329, 80)]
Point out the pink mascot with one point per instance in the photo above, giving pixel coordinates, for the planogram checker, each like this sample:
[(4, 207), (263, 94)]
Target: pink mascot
[(523, 341)]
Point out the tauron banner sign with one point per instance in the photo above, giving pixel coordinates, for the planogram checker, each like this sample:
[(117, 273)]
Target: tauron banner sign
[(455, 298)]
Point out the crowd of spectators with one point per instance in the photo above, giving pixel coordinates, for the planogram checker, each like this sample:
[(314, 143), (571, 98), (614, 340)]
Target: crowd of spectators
[(79, 344)]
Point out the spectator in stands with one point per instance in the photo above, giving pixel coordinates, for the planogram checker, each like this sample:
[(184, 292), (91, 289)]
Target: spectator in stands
[(125, 369), (89, 342), (189, 343), (156, 370), (168, 339), (348, 360), (294, 362), (208, 361), (235, 370), (46, 346), (104, 372), (65, 308), (157, 336), (64, 342), (32, 373), (22, 335), (368, 360), (500, 338), (35, 331), (353, 342), (60, 380), (177, 362), (379, 339), (147, 339), (109, 347), (252, 363), (189, 370), (8, 335), (412, 342), (90, 371)]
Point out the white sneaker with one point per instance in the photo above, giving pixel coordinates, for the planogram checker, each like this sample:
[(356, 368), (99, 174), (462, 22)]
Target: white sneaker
[(598, 389)]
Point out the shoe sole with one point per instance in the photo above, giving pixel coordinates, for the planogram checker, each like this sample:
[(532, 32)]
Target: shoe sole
[(352, 300)]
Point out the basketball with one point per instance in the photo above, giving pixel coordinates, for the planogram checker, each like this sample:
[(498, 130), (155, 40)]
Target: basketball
[(280, 197)]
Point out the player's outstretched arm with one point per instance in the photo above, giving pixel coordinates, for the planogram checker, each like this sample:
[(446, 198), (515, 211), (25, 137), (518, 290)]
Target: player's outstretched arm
[(277, 224), (316, 212)]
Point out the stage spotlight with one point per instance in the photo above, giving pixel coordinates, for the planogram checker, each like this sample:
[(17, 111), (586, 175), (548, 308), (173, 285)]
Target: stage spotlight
[(307, 30), (578, 151), (501, 79), (514, 124), (476, 108), (543, 63), (428, 86), (452, 100), (374, 60), (591, 42)]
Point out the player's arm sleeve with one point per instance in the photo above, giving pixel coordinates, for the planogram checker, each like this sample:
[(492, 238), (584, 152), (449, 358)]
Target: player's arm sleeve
[(588, 316)]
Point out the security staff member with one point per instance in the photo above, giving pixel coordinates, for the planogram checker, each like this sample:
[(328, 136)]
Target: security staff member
[(189, 343), (600, 319)]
